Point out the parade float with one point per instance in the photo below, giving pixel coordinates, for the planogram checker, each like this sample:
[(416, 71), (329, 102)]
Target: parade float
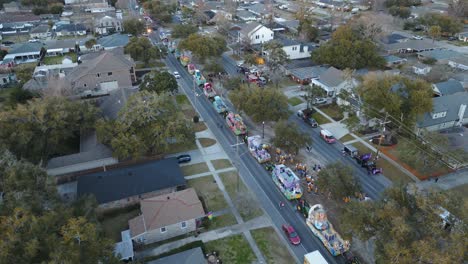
[(258, 149), (208, 90), (318, 222), (177, 54), (236, 124), (184, 59), (287, 182), (191, 68), (219, 105), (171, 46), (199, 78)]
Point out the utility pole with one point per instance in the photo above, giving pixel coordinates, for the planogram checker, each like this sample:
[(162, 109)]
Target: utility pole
[(383, 130)]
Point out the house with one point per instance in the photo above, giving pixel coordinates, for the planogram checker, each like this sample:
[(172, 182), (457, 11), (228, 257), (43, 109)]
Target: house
[(410, 46), (7, 78), (294, 49), (393, 38), (255, 33), (24, 52), (104, 72), (290, 25), (11, 7), (460, 63), (112, 41), (70, 30), (447, 112), (56, 47), (306, 74), (392, 60), (448, 87), (440, 55), (421, 69), (128, 184), (20, 18), (40, 32), (463, 36), (191, 256), (124, 248), (462, 78), (246, 15), (258, 9), (107, 25), (166, 216), (333, 81)]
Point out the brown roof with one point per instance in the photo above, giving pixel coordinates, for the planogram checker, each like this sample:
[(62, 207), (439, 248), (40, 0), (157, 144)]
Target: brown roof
[(165, 210), (19, 17)]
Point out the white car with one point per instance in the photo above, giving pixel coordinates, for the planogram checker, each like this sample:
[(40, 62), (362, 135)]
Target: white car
[(176, 75), (416, 37), (320, 101)]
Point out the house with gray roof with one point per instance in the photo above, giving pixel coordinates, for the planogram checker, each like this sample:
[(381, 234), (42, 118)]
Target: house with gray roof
[(462, 78), (411, 46), (112, 41), (24, 52), (333, 81), (70, 30), (255, 33), (306, 74), (460, 63), (39, 32), (448, 87), (441, 55), (258, 9), (392, 60), (246, 15), (447, 112), (191, 256), (290, 25)]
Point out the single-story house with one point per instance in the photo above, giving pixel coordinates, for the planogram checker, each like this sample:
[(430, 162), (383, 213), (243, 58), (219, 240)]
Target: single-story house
[(441, 55), (124, 248), (128, 185), (19, 18), (411, 46), (393, 38), (421, 69), (112, 41), (24, 52), (56, 47), (41, 31), (246, 15), (448, 87), (448, 111), (392, 60), (460, 63), (258, 9), (290, 25), (333, 81), (191, 256), (166, 216), (307, 74), (462, 78), (70, 30)]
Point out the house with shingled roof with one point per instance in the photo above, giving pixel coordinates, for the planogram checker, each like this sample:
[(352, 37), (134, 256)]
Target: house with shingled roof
[(333, 81), (255, 33)]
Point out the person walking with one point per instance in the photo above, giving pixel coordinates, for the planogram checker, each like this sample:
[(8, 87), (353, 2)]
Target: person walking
[(436, 179)]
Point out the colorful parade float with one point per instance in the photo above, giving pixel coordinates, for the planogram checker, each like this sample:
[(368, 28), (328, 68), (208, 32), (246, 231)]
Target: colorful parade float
[(236, 124), (191, 68), (199, 78), (219, 105), (208, 90), (318, 222), (258, 149), (184, 59), (287, 182)]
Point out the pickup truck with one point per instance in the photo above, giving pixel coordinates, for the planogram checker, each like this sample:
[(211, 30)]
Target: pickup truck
[(306, 115)]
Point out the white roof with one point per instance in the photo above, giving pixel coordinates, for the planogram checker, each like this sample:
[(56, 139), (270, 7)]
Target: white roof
[(314, 258), (326, 132)]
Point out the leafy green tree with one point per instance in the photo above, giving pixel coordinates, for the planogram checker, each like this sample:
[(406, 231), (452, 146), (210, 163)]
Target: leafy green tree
[(338, 180), (449, 25), (183, 31), (307, 30), (348, 49), (20, 96), (275, 59), (232, 83), (149, 124), (250, 59), (400, 11), (3, 53), (39, 129), (312, 92), (134, 26), (56, 9), (261, 104), (289, 137), (406, 3), (213, 67), (434, 32), (160, 10), (159, 82), (24, 72), (407, 226), (204, 47), (141, 49), (90, 43)]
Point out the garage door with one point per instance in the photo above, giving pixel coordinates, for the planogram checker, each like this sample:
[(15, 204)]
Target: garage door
[(109, 86)]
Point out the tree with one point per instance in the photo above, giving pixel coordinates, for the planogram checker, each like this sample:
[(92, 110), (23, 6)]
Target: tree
[(90, 43), (407, 226), (149, 124), (3, 53), (39, 129), (159, 82), (56, 9), (24, 72), (289, 137), (312, 92), (400, 11), (160, 10), (339, 180), (20, 96), (399, 97), (250, 59), (183, 31), (141, 49), (458, 8), (448, 25), (275, 59), (232, 83), (213, 67), (204, 47), (307, 30), (434, 32), (134, 26), (348, 49), (261, 104)]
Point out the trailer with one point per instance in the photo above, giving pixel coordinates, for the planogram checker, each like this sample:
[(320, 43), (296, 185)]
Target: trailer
[(258, 149), (314, 258), (236, 124), (219, 105), (208, 90), (327, 136), (287, 181)]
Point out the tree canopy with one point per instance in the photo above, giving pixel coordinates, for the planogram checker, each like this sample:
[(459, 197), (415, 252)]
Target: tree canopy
[(261, 104), (159, 82), (348, 49), (408, 228), (203, 46), (90, 43), (160, 10), (276, 57), (339, 180), (307, 30), (183, 31), (134, 26), (141, 49), (289, 137), (400, 11), (448, 25), (149, 124), (43, 126), (398, 96), (232, 83)]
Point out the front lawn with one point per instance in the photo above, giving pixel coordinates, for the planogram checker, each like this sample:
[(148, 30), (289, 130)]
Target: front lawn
[(220, 221), (51, 60), (221, 164), (321, 119), (182, 99), (206, 142), (347, 138), (333, 111), (232, 250), (208, 190), (193, 169), (113, 224), (271, 246), (294, 101)]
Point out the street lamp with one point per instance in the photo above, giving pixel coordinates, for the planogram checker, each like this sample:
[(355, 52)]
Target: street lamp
[(263, 129)]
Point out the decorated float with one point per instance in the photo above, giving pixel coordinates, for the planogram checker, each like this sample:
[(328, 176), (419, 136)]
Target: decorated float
[(191, 68), (208, 90), (219, 105), (287, 181), (258, 149), (236, 124), (199, 78)]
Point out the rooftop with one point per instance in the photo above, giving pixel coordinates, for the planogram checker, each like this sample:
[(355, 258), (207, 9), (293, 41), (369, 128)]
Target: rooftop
[(191, 256), (25, 47), (449, 104), (308, 72), (413, 44), (449, 87), (441, 54), (124, 182), (18, 17), (40, 29), (114, 40), (331, 77)]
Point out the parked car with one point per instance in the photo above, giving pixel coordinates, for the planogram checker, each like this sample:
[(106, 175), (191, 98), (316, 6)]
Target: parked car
[(306, 116), (452, 38), (320, 101), (184, 158), (417, 37), (176, 75), (292, 235)]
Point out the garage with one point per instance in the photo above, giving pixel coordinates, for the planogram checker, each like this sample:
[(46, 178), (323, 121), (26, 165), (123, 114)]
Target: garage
[(109, 86)]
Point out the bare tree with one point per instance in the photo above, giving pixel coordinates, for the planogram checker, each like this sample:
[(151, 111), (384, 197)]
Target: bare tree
[(458, 8)]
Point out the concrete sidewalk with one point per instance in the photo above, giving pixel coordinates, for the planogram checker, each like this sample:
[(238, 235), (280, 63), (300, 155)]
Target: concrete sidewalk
[(447, 182)]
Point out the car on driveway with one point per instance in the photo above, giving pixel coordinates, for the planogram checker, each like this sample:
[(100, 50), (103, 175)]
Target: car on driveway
[(416, 37), (320, 101), (292, 235), (184, 158), (176, 75)]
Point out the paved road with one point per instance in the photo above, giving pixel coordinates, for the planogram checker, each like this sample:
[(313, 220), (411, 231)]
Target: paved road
[(252, 173)]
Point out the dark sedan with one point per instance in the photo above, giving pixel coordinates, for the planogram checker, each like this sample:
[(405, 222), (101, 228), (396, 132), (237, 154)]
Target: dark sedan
[(184, 158)]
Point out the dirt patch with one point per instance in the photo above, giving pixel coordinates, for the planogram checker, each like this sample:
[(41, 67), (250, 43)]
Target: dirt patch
[(206, 142), (271, 246), (193, 169), (199, 127), (221, 164)]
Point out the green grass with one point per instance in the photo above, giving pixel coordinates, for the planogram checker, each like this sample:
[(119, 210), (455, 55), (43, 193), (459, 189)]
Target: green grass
[(244, 200), (461, 190), (206, 142), (196, 168), (333, 111), (113, 225), (221, 221), (321, 119), (294, 101), (50, 60), (185, 247), (346, 138), (177, 148), (232, 250), (208, 190), (182, 99), (221, 164), (5, 95), (271, 246)]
